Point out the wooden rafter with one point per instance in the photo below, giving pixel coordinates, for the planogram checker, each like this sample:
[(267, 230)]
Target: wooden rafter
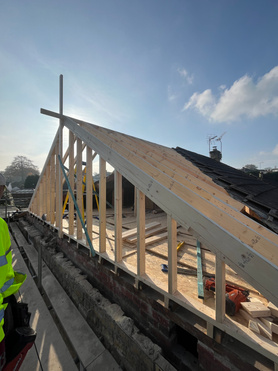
[(210, 224), (187, 196)]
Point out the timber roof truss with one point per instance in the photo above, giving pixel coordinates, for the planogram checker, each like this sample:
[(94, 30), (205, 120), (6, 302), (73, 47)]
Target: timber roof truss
[(188, 197)]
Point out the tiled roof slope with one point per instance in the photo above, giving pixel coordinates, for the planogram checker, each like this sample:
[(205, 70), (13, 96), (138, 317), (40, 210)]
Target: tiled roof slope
[(257, 194)]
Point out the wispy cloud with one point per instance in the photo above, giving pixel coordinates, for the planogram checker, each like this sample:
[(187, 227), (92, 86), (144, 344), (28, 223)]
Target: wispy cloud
[(185, 75), (99, 104), (265, 159), (245, 98), (171, 95), (203, 102), (184, 79), (275, 151)]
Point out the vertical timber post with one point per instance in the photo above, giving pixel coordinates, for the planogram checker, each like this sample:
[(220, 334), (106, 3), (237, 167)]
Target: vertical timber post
[(79, 177), (59, 220), (172, 254), (89, 192), (141, 210), (48, 194), (40, 203), (44, 197), (220, 284), (52, 186), (118, 191), (71, 181), (57, 184), (135, 202), (102, 205)]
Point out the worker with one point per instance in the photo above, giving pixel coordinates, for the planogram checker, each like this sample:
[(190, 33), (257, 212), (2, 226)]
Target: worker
[(10, 281)]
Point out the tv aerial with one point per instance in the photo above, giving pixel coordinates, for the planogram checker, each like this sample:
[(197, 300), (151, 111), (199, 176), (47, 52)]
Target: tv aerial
[(210, 139), (214, 152)]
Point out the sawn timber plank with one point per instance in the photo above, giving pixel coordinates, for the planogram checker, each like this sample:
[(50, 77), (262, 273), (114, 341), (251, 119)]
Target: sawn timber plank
[(256, 309), (149, 233), (153, 239), (133, 232), (254, 323)]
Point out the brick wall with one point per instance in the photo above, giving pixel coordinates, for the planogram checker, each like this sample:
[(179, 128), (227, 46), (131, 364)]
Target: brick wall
[(135, 321)]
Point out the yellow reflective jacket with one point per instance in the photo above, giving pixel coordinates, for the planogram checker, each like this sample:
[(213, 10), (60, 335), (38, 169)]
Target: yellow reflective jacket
[(10, 281)]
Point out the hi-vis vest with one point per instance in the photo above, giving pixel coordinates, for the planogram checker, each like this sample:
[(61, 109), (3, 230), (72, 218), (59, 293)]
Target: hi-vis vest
[(10, 281)]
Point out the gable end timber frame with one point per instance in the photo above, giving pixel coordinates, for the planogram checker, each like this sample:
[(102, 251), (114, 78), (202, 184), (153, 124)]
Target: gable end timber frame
[(215, 220)]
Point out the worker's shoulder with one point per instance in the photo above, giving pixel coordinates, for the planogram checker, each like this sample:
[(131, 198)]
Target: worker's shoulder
[(3, 224), (3, 227)]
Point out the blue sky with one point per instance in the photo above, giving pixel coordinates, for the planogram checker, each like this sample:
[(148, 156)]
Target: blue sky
[(172, 72)]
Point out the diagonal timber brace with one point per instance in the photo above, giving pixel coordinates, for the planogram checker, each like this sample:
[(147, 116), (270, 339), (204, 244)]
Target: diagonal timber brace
[(77, 208)]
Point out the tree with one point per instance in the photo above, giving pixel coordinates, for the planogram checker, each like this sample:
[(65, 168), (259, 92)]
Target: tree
[(31, 181), (249, 168), (20, 168)]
